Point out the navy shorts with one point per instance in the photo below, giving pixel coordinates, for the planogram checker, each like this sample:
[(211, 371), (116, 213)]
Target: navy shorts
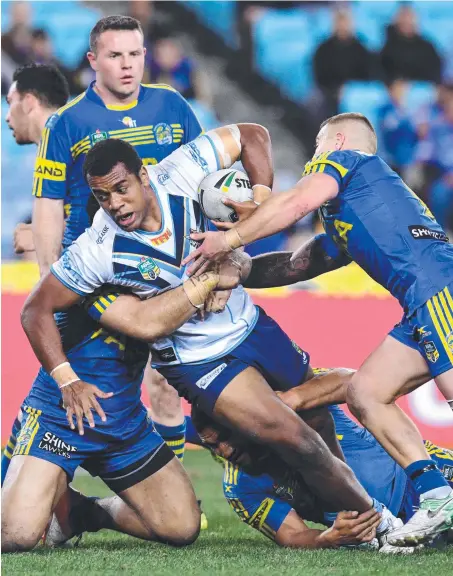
[(120, 464), (267, 348), (430, 331)]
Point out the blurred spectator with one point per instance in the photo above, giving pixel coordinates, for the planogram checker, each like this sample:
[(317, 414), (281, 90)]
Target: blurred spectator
[(340, 58), (435, 154), (168, 65), (397, 131), (16, 42), (42, 53), (406, 54)]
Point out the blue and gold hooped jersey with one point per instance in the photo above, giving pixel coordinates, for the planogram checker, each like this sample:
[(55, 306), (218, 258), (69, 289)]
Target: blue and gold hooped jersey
[(383, 226), (156, 124), (111, 361)]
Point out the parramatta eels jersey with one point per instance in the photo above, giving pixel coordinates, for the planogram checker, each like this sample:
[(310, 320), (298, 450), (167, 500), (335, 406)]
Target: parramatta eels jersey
[(383, 226), (148, 263), (156, 124)]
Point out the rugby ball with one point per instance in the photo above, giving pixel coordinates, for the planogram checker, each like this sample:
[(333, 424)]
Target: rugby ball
[(222, 184)]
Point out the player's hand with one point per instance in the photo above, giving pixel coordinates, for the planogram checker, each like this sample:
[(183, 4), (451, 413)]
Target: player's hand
[(242, 209), (217, 301), (23, 238), (290, 398), (79, 398), (353, 528), (214, 248)]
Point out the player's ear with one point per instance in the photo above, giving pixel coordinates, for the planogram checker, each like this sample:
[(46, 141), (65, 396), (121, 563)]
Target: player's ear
[(339, 140), (92, 60), (144, 178), (29, 101)]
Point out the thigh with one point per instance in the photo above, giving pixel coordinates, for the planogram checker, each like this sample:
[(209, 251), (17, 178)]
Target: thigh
[(166, 504), (31, 489), (392, 370)]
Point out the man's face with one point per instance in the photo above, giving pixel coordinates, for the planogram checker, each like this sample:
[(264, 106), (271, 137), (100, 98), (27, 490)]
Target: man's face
[(119, 61), (16, 117), (221, 442), (123, 196)]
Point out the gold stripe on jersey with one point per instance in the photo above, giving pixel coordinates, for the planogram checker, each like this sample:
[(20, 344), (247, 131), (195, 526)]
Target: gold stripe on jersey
[(440, 323), (27, 432), (319, 162), (70, 104), (160, 87), (135, 130), (79, 144), (437, 451)]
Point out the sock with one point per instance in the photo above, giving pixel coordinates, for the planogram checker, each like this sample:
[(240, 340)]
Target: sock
[(427, 479), (174, 436), (9, 448), (191, 434)]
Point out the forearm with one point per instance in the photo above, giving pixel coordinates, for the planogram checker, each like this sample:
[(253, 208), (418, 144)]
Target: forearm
[(308, 538), (321, 390), (48, 229)]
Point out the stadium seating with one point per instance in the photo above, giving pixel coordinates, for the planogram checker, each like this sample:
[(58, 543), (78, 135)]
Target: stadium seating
[(68, 23), (219, 16)]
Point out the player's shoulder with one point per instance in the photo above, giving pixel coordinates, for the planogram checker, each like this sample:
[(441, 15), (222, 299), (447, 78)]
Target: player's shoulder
[(66, 113), (164, 91), (342, 160)]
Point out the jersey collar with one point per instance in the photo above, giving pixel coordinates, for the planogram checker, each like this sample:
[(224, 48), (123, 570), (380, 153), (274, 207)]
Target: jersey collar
[(92, 95)]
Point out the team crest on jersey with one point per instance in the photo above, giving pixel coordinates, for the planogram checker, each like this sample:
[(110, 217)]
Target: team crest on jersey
[(163, 134), (450, 341), (148, 268), (129, 122), (98, 136), (431, 351), (300, 351)]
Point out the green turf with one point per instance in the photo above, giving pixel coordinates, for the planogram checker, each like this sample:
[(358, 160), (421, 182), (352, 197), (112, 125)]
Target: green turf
[(228, 547)]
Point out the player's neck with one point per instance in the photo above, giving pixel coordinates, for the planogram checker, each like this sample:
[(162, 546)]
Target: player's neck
[(153, 219), (111, 99), (37, 127)]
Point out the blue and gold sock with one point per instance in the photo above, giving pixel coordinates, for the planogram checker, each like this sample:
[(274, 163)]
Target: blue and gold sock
[(9, 448), (174, 437)]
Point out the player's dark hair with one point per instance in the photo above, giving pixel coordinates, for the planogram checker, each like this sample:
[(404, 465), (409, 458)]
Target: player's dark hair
[(112, 23), (201, 420), (106, 154), (45, 82)]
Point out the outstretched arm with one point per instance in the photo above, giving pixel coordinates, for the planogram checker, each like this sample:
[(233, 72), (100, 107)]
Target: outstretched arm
[(317, 256)]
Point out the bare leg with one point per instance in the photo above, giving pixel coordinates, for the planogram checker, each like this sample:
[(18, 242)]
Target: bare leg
[(391, 371), (31, 490), (249, 405), (445, 384)]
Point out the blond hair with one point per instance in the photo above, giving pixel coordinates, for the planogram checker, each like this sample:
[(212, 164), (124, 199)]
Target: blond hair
[(355, 117)]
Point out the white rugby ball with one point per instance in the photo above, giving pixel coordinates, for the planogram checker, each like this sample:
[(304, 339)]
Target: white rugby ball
[(222, 184)]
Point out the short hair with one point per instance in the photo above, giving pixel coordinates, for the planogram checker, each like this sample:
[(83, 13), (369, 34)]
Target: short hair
[(356, 116), (106, 154), (45, 82), (39, 34), (201, 420), (112, 23)]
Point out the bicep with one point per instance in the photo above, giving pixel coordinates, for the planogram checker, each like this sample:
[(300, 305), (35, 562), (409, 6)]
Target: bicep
[(118, 312), (51, 294)]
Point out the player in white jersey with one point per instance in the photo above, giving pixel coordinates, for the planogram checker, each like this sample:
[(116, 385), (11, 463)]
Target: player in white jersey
[(228, 363)]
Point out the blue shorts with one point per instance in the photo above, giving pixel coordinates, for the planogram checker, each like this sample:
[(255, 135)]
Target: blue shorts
[(254, 500), (430, 331), (444, 461), (267, 348), (120, 463)]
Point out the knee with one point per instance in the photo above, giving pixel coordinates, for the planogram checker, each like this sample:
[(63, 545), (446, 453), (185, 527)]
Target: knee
[(356, 399), (183, 533), (18, 540)]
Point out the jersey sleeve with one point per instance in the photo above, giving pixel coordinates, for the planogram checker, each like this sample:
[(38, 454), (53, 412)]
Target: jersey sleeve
[(332, 250), (187, 166), (52, 161), (86, 265), (337, 164)]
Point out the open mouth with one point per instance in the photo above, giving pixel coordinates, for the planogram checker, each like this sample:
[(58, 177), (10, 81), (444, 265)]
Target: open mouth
[(126, 220)]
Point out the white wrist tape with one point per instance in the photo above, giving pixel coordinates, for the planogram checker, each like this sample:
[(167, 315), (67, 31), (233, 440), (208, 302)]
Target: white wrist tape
[(220, 146), (64, 375)]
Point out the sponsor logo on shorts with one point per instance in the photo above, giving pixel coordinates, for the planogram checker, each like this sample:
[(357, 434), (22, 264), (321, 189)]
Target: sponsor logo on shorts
[(129, 122), (50, 170), (431, 351), (448, 472), (55, 445), (166, 354), (420, 333), (101, 237), (162, 238), (425, 233), (205, 380), (148, 268)]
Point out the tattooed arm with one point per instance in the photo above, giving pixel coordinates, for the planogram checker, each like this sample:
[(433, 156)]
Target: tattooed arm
[(317, 256)]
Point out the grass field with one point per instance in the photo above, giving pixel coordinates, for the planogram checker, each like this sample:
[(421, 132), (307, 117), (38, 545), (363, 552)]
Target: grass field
[(228, 547)]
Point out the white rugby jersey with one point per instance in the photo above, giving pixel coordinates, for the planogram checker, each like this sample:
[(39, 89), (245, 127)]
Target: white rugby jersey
[(149, 262)]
